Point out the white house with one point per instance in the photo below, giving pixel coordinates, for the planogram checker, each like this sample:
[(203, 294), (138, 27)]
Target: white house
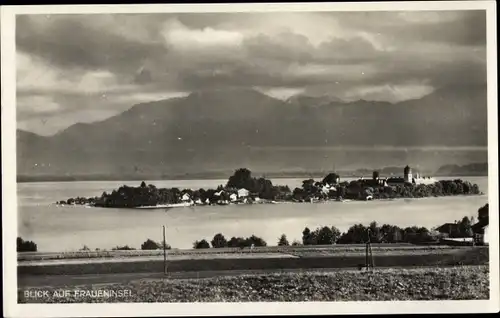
[(233, 197), (218, 194), (186, 197), (326, 189), (243, 193), (486, 236)]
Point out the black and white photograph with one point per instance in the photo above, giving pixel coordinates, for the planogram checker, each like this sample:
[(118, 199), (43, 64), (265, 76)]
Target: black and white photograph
[(243, 154)]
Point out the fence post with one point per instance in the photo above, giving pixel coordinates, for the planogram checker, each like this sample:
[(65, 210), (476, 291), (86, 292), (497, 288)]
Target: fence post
[(368, 251), (164, 253)]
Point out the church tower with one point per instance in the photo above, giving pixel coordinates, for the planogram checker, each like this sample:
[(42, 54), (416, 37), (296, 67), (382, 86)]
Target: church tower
[(408, 175)]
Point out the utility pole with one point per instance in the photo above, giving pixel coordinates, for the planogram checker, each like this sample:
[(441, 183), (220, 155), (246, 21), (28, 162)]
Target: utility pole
[(164, 253), (368, 251)]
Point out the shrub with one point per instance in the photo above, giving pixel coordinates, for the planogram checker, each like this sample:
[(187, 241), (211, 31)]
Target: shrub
[(246, 242), (219, 241), (326, 235), (331, 178), (201, 244), (320, 236), (167, 246), (25, 246), (237, 242), (123, 248), (151, 245), (356, 234), (307, 237), (296, 243), (282, 241), (256, 241)]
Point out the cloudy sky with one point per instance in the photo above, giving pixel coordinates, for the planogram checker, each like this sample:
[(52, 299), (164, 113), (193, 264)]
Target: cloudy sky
[(83, 68)]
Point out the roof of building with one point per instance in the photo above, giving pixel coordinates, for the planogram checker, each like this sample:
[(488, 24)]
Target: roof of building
[(395, 179), (370, 182), (447, 227), (479, 227)]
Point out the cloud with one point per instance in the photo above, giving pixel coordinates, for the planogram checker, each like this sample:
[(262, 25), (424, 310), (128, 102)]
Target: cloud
[(185, 39), (282, 93), (103, 64), (391, 93), (83, 42)]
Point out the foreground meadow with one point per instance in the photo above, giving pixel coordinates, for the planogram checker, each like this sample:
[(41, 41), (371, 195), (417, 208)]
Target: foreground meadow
[(430, 283)]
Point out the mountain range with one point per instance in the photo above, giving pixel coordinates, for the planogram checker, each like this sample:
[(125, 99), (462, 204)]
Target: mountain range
[(221, 130)]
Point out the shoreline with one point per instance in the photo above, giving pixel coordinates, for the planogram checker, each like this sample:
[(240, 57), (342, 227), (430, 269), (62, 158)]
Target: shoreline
[(242, 188), (324, 201)]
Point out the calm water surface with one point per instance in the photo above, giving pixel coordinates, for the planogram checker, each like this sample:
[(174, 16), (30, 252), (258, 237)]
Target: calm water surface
[(57, 229)]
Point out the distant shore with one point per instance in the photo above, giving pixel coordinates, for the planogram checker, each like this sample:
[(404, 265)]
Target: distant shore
[(208, 176)]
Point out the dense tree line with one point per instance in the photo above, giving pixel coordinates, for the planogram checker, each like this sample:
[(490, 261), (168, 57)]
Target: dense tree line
[(149, 244), (361, 189), (261, 187), (149, 195), (25, 246), (219, 241)]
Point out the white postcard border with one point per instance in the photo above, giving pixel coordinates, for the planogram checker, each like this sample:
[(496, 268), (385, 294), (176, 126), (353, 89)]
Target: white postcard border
[(9, 202)]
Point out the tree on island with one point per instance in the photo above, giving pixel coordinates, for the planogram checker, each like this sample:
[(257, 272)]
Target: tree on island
[(242, 178), (331, 178), (282, 241), (219, 241)]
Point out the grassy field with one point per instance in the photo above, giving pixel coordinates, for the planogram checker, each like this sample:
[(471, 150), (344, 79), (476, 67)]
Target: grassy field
[(445, 257), (294, 250), (457, 283)]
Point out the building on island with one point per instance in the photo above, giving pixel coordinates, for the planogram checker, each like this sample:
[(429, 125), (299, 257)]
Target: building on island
[(395, 181), (243, 193), (218, 194), (186, 197), (410, 177)]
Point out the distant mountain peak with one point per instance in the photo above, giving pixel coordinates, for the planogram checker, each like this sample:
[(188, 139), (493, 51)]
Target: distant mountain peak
[(221, 123)]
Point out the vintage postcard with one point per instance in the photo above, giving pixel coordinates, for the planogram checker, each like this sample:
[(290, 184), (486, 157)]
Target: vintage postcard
[(248, 159)]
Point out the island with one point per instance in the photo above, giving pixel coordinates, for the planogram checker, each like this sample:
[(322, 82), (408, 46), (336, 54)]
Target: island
[(242, 188)]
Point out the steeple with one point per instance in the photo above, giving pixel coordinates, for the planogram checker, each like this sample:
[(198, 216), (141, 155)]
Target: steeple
[(407, 174)]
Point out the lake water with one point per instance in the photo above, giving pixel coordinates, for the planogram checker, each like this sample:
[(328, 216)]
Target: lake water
[(56, 228)]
